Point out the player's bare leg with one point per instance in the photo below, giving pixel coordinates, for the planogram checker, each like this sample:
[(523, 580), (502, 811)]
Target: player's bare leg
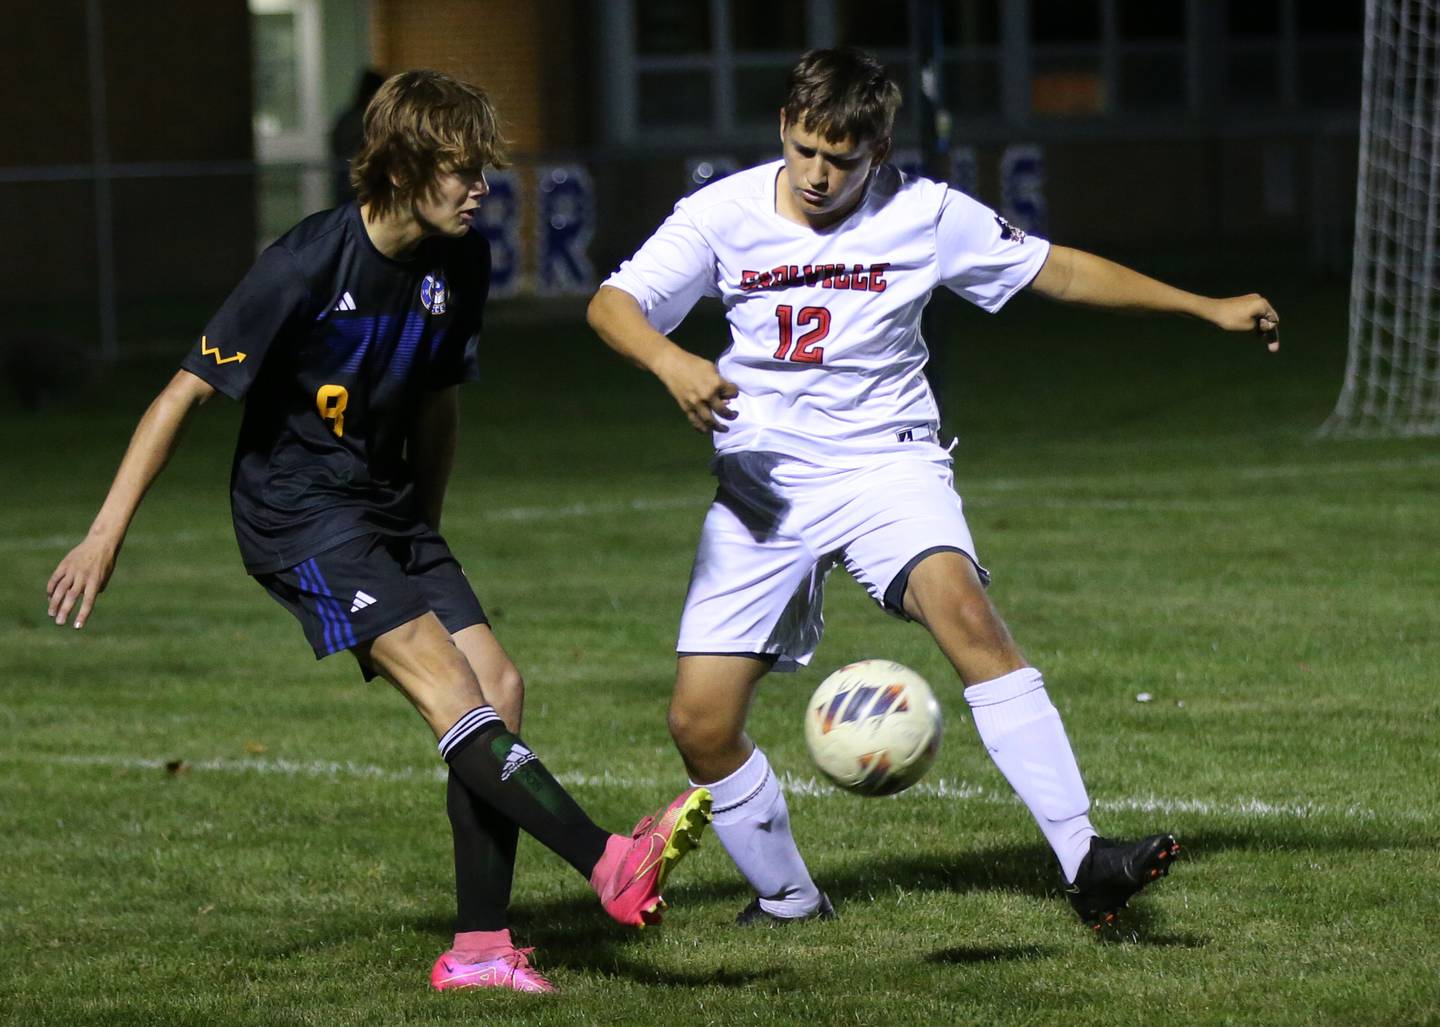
[(708, 710), (944, 593), (499, 678), (1016, 720), (707, 720), (421, 660), (498, 769), (1023, 733), (429, 668)]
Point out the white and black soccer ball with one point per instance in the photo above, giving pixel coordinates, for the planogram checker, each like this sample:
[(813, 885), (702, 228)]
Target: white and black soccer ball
[(873, 727)]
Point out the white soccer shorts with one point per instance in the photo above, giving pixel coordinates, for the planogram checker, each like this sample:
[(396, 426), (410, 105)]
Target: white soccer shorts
[(779, 525)]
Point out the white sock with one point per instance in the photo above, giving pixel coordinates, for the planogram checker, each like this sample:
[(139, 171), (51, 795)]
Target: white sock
[(753, 823), (1022, 731)]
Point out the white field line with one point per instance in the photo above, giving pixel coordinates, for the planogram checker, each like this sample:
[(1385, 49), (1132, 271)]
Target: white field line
[(979, 488), (809, 787)]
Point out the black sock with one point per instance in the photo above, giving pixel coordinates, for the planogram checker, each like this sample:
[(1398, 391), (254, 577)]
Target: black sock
[(502, 773), (484, 860)]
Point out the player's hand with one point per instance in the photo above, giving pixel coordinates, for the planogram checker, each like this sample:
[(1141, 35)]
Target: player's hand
[(1251, 313), (79, 578), (704, 396)]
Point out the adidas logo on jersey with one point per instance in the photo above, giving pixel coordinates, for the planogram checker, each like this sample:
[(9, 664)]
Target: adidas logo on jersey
[(362, 600), (516, 758), (345, 302)]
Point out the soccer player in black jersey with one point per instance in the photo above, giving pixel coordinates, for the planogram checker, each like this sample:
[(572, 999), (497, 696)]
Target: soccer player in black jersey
[(347, 341)]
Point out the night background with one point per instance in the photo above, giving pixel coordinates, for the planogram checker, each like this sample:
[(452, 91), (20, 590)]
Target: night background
[(1233, 609), (176, 139)]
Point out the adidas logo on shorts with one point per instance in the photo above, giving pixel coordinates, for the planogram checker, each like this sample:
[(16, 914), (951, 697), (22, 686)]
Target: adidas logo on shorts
[(516, 758), (362, 600)]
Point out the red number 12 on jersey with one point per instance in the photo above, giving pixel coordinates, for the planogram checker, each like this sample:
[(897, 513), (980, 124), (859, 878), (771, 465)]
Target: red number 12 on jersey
[(806, 350)]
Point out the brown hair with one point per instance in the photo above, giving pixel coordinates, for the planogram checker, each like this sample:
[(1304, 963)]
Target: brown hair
[(842, 93), (419, 123)]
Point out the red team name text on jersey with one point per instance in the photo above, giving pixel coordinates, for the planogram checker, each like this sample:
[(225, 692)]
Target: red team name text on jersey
[(826, 276)]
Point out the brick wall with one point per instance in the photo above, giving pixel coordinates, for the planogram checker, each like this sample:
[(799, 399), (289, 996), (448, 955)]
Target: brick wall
[(529, 55), (177, 82)]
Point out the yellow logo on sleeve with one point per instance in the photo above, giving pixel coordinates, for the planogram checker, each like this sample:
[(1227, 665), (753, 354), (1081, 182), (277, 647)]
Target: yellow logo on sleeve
[(214, 351)]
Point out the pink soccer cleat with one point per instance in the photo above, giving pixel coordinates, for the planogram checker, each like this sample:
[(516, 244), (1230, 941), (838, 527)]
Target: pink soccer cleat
[(511, 970), (629, 886)]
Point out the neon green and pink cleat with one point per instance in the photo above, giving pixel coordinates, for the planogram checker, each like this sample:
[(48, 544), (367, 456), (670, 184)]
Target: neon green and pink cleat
[(631, 874), (511, 970)]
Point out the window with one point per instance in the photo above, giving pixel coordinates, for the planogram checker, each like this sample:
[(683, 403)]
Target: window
[(672, 99), (274, 67), (1248, 19), (970, 23), (970, 32), (289, 126), (715, 69), (1065, 21), (1331, 52), (672, 27), (1151, 57), (759, 91), (1150, 20), (1067, 75), (1252, 72), (875, 26), (767, 26)]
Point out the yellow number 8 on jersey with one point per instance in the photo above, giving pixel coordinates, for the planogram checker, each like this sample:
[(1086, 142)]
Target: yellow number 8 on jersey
[(330, 400)]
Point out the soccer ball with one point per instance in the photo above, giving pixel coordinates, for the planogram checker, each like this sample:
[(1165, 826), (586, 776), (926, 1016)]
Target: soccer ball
[(873, 727)]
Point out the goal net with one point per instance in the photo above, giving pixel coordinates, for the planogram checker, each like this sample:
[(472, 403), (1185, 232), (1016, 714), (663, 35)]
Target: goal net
[(1392, 376)]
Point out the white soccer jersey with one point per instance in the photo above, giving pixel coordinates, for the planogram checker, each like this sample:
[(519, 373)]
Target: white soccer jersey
[(825, 342)]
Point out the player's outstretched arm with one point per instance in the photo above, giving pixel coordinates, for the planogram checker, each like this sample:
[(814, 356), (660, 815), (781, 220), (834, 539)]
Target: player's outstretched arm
[(1078, 277), (695, 383), (85, 570)]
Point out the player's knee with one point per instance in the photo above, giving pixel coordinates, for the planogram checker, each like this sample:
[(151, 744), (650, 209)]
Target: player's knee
[(505, 691), (681, 723), (512, 683), (502, 682), (697, 734)]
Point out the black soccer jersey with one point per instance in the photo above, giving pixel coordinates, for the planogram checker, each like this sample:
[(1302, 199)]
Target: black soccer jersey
[(331, 345)]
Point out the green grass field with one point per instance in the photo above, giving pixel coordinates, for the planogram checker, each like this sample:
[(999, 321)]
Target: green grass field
[(1159, 519)]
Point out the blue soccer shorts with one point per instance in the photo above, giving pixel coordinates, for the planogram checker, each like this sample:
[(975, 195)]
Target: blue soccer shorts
[(362, 588)]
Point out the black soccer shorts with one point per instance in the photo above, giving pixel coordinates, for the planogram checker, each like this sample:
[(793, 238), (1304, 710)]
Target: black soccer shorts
[(363, 588)]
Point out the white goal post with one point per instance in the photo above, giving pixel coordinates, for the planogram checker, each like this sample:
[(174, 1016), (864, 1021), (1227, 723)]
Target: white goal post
[(1392, 376)]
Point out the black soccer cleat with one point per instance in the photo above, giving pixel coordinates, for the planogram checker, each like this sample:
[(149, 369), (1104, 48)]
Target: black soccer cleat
[(1112, 872), (755, 915)]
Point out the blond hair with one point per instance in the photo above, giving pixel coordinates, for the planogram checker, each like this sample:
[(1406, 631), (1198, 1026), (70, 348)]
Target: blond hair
[(419, 124)]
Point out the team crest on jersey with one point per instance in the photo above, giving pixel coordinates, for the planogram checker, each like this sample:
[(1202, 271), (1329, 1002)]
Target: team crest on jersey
[(432, 292), (1009, 231)]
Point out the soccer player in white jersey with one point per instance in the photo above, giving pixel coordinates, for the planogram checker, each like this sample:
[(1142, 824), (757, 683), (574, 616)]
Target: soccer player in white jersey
[(825, 432)]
